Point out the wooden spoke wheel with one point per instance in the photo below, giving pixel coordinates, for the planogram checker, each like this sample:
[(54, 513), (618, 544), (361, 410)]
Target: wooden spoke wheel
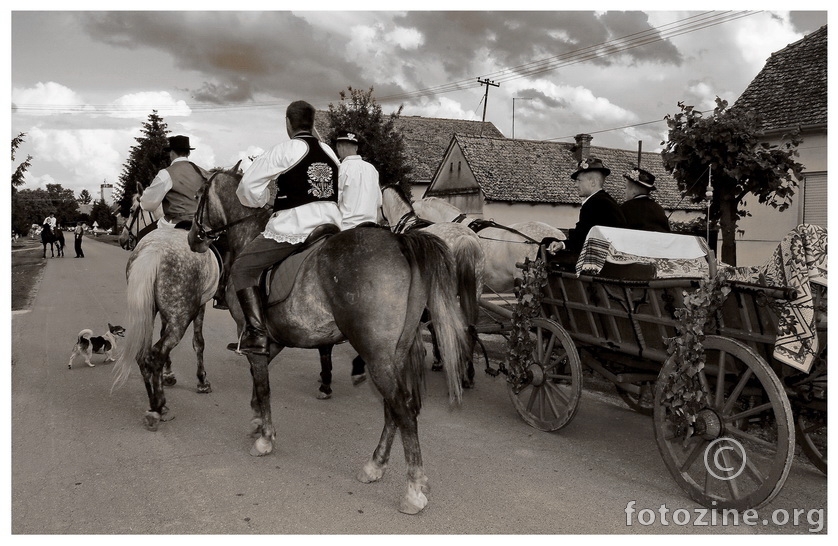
[(643, 403), (742, 447), (548, 397), (811, 435)]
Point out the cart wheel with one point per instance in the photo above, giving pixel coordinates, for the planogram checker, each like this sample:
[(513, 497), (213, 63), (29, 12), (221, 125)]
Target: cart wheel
[(741, 452), (550, 397), (643, 403), (811, 435)]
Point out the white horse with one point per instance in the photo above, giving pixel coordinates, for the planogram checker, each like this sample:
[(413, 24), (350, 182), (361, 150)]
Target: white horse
[(465, 248), (503, 246)]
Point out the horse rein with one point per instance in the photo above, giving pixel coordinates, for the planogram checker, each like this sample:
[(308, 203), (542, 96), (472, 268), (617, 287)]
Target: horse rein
[(478, 224)]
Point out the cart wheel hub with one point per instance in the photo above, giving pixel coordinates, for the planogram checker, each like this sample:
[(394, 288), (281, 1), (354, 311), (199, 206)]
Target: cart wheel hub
[(708, 424), (535, 375)]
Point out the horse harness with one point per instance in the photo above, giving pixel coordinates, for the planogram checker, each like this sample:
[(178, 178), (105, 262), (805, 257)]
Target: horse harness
[(479, 224)]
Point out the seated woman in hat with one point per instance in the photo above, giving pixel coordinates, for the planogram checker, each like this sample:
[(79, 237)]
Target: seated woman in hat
[(640, 210)]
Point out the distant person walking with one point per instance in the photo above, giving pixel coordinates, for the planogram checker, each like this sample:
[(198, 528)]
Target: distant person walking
[(79, 233)]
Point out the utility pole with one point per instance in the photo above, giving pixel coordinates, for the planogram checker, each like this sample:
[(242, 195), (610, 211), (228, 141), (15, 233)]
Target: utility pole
[(487, 83), (513, 111)]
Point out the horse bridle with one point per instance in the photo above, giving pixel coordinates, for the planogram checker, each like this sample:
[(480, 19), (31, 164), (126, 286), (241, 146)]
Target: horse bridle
[(201, 232)]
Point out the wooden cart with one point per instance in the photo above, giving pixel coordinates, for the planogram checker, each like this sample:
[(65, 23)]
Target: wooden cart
[(735, 446)]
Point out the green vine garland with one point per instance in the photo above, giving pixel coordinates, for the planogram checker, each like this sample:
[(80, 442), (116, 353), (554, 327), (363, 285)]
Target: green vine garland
[(520, 345), (683, 392)]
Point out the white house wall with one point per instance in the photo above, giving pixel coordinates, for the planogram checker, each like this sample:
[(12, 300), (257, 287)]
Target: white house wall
[(766, 227)]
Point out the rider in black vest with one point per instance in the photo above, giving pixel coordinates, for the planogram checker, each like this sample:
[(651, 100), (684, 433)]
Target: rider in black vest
[(306, 174)]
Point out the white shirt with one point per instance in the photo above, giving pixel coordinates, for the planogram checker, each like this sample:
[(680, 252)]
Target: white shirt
[(152, 197), (52, 221), (290, 225), (360, 198)]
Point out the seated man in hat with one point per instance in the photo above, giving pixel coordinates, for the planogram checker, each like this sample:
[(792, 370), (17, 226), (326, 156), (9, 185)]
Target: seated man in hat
[(640, 210), (360, 194), (598, 209)]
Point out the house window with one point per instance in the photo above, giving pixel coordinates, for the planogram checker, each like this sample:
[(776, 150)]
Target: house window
[(451, 167), (814, 199), (459, 167)]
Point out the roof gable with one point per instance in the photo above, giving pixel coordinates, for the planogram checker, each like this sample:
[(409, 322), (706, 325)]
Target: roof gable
[(534, 171), (791, 89), (425, 139)]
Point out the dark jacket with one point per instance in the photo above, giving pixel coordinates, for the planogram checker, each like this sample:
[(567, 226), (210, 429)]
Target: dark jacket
[(643, 213), (599, 210)]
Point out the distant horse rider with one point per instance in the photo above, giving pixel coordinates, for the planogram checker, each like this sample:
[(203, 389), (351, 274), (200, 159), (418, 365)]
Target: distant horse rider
[(51, 222), (306, 174), (176, 188), (640, 210)]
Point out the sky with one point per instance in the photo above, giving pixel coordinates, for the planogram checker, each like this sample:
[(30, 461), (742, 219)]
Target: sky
[(83, 82)]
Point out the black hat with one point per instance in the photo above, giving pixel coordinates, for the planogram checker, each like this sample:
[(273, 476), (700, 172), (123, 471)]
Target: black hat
[(590, 164), (178, 143), (642, 177), (348, 136)]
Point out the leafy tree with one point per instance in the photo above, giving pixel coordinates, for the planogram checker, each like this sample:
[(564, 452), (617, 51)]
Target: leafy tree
[(380, 142), (32, 206), (20, 171), (145, 159), (101, 214), (84, 197), (730, 144)]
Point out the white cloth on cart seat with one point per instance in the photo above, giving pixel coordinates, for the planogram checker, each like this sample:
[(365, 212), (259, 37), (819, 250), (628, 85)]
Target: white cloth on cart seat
[(673, 254)]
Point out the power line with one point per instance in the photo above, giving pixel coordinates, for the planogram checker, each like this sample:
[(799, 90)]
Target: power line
[(612, 47)]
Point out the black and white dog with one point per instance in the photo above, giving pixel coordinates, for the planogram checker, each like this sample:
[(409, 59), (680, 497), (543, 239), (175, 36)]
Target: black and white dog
[(87, 344)]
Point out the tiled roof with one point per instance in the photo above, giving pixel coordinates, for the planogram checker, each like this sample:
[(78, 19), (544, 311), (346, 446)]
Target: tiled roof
[(791, 89), (425, 139), (534, 171)]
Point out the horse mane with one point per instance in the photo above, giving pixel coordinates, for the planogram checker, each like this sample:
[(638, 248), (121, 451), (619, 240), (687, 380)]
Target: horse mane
[(441, 202), (400, 192)]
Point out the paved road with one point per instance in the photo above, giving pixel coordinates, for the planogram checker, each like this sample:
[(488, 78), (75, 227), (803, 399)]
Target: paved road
[(83, 464)]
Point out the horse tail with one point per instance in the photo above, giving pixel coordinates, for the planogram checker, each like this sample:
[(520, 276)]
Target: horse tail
[(428, 255), (141, 277), (469, 261)]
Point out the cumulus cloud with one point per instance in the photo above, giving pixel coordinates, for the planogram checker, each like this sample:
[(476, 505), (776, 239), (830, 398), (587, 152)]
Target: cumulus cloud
[(88, 156), (48, 98), (138, 105)]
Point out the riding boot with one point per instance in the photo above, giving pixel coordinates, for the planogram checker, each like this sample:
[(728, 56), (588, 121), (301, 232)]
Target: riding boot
[(255, 339)]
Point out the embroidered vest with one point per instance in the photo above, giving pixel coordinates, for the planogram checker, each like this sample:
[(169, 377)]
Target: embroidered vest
[(313, 178), (181, 202)]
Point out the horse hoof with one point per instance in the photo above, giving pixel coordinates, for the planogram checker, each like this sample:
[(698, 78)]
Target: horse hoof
[(169, 380), (151, 420), (261, 447), (91, 364), (413, 502), (358, 379), (370, 472), (436, 367), (324, 395), (206, 388), (255, 427)]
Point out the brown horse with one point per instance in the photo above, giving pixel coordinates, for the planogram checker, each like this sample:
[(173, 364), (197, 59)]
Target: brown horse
[(365, 285)]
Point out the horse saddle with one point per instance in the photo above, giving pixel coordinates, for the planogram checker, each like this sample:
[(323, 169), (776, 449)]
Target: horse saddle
[(278, 280)]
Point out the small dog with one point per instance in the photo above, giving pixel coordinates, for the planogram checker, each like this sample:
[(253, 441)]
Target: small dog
[(87, 344)]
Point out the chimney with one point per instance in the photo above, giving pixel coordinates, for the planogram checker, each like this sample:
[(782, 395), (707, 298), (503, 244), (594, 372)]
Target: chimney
[(583, 146)]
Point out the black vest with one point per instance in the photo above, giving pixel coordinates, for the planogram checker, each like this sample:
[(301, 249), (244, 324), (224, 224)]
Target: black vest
[(313, 178)]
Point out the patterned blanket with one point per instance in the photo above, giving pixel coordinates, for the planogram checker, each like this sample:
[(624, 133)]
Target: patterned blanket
[(799, 262), (673, 255)]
